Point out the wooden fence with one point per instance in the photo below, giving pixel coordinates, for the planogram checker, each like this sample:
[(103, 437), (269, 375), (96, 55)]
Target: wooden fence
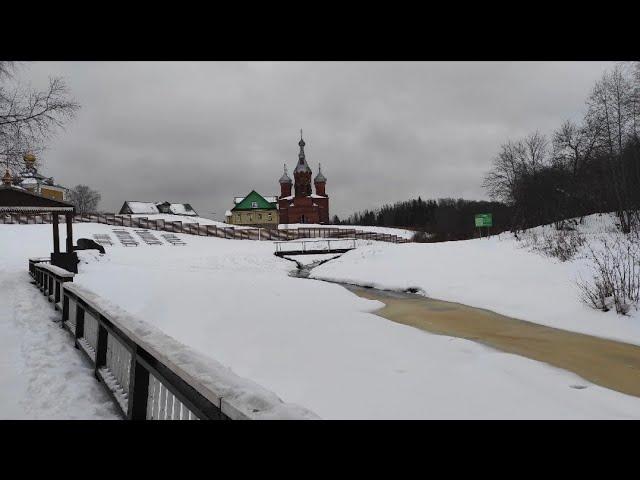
[(149, 375), (210, 230)]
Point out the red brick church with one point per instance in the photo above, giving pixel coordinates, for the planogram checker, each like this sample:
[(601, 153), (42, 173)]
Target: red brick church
[(304, 206)]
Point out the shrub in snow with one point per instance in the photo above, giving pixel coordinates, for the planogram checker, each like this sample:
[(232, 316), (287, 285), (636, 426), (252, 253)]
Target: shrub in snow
[(616, 275), (562, 243), (420, 237)]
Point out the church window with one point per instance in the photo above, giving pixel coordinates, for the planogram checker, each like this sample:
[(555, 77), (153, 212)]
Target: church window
[(254, 204)]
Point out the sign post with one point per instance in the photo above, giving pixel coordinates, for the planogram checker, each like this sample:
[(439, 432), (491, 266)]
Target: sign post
[(484, 220)]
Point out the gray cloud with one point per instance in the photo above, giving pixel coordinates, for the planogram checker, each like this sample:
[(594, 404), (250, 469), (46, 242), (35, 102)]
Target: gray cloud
[(202, 132)]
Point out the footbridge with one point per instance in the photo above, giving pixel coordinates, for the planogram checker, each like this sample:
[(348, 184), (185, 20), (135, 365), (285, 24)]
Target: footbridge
[(314, 246)]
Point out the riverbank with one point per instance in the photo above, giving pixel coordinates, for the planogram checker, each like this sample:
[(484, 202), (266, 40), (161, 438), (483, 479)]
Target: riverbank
[(608, 363), (498, 273)]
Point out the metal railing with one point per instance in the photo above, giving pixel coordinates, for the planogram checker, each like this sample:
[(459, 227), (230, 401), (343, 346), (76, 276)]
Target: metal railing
[(148, 374), (251, 233), (315, 246)]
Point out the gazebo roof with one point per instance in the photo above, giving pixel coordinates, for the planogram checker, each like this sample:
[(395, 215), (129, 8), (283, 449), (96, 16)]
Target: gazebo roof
[(18, 200)]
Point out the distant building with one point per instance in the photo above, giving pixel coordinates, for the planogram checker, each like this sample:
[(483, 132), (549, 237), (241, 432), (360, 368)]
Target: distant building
[(155, 208), (304, 206), (253, 209), (30, 179), (177, 209)]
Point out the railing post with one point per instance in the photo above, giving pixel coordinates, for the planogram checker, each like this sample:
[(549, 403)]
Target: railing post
[(101, 348), (65, 309), (56, 292), (138, 389), (79, 323)]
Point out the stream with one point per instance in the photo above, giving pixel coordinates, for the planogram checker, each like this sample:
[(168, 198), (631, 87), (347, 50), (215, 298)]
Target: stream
[(608, 363)]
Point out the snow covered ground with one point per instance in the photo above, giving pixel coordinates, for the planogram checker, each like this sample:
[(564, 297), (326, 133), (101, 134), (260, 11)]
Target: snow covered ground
[(498, 273), (318, 345), (42, 375)]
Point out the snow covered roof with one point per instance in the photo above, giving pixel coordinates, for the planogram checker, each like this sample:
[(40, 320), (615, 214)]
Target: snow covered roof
[(139, 207), (270, 199), (16, 199), (182, 209), (153, 208)]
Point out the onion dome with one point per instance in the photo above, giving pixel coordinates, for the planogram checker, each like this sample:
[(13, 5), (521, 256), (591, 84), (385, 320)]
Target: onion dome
[(29, 158), (302, 165), (285, 176), (320, 178), (7, 178)]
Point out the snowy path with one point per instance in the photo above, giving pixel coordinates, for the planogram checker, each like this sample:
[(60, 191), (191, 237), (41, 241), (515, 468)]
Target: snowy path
[(42, 375)]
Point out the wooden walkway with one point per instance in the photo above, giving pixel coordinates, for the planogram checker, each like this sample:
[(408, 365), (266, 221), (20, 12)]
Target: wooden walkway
[(315, 247)]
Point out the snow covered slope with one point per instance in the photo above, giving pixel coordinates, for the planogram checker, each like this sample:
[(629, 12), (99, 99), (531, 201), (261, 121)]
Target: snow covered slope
[(498, 273), (316, 344)]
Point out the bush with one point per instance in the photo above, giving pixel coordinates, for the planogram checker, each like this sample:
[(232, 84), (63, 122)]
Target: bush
[(562, 243), (420, 237), (616, 276)]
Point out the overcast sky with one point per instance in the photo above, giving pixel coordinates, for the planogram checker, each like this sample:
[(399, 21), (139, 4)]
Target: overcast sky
[(203, 132)]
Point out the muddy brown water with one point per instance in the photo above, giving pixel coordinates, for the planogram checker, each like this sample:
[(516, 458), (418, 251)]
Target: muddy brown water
[(608, 363)]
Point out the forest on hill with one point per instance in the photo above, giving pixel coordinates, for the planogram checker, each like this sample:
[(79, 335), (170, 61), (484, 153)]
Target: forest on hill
[(444, 218), (584, 167)]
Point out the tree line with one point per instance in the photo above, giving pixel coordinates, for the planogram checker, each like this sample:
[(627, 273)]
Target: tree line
[(584, 167), (444, 218)]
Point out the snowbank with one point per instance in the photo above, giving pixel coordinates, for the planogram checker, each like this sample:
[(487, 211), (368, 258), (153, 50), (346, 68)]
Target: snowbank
[(498, 273)]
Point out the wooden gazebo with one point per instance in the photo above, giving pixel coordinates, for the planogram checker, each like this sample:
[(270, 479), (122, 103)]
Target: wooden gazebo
[(20, 201)]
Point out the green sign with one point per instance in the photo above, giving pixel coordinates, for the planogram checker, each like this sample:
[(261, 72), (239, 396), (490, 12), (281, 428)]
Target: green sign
[(484, 220)]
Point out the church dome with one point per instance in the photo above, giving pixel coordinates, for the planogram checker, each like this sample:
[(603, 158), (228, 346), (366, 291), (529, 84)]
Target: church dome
[(320, 178), (285, 178), (29, 158), (7, 178), (302, 165)]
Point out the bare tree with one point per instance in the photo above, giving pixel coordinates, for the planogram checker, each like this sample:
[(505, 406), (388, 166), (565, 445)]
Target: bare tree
[(612, 106), (84, 199), (29, 117)]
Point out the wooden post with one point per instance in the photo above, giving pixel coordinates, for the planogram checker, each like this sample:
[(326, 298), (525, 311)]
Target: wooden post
[(56, 234), (69, 221), (101, 348), (138, 390), (65, 309), (79, 323)]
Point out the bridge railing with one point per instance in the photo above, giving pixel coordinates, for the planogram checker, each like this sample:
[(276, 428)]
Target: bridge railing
[(315, 245), (49, 279), (148, 374)]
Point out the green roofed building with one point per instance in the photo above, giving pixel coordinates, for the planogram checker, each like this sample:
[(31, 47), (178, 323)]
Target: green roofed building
[(254, 209)]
